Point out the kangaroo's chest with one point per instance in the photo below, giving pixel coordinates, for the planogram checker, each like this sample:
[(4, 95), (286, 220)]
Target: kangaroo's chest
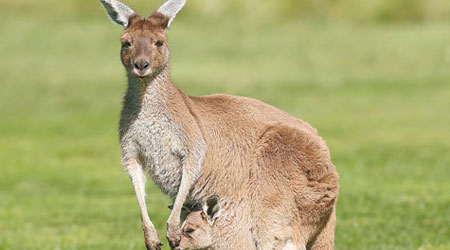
[(159, 141)]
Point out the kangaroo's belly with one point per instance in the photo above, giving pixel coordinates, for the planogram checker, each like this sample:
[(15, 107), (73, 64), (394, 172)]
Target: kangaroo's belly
[(164, 169), (161, 148)]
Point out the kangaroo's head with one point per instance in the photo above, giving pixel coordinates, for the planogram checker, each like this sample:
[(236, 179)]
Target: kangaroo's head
[(197, 228), (144, 49)]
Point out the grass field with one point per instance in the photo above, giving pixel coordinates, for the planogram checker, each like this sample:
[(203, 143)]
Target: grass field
[(379, 95)]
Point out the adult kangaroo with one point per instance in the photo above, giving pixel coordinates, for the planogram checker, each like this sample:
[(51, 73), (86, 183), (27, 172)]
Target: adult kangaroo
[(235, 147)]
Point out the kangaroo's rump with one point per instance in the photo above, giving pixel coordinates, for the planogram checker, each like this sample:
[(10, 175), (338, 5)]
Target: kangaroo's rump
[(298, 186)]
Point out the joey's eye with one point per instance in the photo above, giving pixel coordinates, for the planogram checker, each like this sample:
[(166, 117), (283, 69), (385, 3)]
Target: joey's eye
[(189, 230), (159, 43), (126, 44)]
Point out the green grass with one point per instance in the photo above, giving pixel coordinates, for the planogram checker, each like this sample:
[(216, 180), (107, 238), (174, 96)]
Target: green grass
[(379, 95)]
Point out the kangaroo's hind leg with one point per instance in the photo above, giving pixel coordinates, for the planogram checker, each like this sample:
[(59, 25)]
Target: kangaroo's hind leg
[(325, 238), (303, 183)]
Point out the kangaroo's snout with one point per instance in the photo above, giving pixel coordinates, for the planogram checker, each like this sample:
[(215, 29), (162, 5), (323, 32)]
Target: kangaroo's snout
[(141, 67), (141, 64)]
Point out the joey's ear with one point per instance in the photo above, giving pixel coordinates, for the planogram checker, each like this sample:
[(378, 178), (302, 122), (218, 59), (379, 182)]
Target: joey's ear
[(170, 9), (211, 208), (119, 12)]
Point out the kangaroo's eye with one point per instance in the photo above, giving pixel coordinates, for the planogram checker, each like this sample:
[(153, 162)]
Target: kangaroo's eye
[(189, 230), (159, 43), (126, 44)]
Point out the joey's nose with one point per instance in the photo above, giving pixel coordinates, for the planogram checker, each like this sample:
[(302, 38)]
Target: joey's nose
[(141, 65)]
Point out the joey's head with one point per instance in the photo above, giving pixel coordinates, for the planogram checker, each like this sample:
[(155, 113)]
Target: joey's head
[(197, 228), (144, 51)]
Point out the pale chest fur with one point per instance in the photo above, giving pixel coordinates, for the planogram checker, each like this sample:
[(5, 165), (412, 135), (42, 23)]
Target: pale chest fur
[(160, 146), (156, 140)]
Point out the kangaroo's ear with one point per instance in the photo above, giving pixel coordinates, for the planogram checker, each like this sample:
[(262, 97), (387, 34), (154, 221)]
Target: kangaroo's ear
[(170, 9), (212, 208), (119, 12)]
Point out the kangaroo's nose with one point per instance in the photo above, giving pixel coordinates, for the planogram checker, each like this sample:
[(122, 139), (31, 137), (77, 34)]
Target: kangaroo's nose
[(141, 64)]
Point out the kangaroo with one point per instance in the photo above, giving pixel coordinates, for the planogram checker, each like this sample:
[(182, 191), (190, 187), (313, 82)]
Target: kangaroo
[(225, 225), (235, 147), (219, 226)]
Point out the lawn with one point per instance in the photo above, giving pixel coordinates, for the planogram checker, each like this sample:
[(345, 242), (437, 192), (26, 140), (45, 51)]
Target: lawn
[(378, 93)]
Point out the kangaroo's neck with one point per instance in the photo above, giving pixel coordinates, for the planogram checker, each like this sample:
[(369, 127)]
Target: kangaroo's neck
[(152, 94)]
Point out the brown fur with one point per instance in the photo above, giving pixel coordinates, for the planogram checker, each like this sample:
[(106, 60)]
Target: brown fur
[(273, 165), (220, 228), (143, 33), (290, 185)]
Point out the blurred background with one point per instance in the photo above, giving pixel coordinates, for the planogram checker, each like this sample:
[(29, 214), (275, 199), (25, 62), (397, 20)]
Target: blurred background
[(372, 75)]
